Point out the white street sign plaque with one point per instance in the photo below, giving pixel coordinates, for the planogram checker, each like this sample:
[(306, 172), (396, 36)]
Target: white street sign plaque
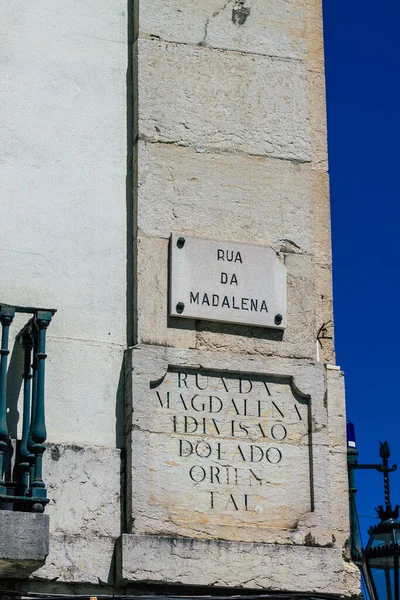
[(226, 281)]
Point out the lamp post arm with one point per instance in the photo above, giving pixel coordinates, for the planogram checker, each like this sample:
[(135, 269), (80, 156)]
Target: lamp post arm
[(379, 468)]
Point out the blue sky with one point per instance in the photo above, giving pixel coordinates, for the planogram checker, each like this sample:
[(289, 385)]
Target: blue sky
[(362, 53)]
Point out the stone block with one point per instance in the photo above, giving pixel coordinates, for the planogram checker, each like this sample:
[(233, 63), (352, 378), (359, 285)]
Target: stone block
[(224, 196), (24, 543), (222, 101), (79, 559), (197, 455), (83, 484), (217, 563), (273, 28)]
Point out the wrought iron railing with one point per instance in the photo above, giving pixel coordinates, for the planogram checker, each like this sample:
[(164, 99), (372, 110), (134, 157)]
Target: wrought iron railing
[(23, 488)]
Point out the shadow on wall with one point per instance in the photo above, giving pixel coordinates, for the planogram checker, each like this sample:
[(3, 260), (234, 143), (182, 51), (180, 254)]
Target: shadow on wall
[(226, 328), (14, 385)]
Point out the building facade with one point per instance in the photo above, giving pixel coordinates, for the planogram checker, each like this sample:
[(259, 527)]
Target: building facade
[(151, 150)]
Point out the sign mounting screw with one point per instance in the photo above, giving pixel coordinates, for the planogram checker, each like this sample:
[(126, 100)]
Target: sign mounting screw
[(180, 242), (180, 307), (278, 319)]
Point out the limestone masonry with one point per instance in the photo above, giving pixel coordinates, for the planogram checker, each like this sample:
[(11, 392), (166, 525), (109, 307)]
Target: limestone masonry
[(165, 188)]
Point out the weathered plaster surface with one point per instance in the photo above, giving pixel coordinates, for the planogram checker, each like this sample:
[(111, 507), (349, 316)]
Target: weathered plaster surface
[(62, 175)]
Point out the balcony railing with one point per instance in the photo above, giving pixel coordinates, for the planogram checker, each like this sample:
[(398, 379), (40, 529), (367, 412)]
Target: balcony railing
[(26, 490)]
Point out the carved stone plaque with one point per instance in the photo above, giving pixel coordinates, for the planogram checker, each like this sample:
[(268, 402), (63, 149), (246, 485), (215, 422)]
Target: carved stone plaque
[(227, 281), (220, 455)]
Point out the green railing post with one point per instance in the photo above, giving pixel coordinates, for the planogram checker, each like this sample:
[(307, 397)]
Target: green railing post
[(25, 453), (38, 430), (6, 317), (34, 387)]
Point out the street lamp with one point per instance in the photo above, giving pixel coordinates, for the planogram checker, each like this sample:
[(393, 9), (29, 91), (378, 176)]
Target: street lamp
[(382, 559), (379, 562)]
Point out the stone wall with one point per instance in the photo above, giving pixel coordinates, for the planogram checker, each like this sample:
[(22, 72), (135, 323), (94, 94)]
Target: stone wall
[(224, 138), (63, 227), (231, 145)]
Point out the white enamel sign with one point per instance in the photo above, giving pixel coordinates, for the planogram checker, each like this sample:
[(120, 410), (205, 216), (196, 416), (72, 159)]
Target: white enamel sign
[(226, 281)]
